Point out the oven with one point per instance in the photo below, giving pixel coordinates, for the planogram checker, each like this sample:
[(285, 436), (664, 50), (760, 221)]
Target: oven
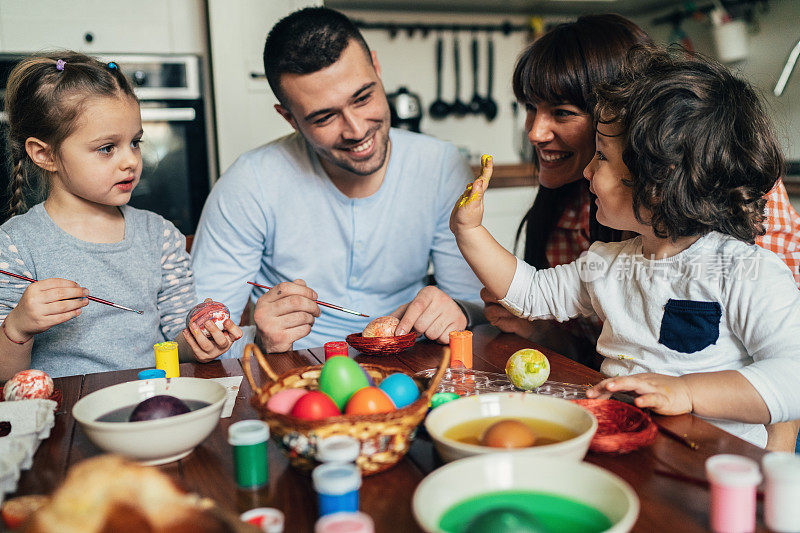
[(175, 148)]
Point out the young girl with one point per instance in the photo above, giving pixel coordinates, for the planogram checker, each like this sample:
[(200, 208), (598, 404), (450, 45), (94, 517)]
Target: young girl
[(75, 122), (696, 318)]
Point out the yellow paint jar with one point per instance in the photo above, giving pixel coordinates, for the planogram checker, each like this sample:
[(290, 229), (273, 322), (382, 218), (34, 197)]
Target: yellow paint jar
[(167, 358)]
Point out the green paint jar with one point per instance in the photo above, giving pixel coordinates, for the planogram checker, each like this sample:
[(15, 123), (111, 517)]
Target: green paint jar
[(249, 440)]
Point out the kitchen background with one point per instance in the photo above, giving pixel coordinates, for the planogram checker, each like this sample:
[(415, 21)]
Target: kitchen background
[(197, 65)]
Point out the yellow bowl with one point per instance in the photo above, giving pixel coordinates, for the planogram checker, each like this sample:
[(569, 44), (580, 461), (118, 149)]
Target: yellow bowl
[(154, 441), (497, 472), (512, 405)]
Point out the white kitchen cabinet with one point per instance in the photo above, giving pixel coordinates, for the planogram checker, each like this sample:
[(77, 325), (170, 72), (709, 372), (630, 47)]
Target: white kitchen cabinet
[(244, 102), (96, 26), (503, 210)]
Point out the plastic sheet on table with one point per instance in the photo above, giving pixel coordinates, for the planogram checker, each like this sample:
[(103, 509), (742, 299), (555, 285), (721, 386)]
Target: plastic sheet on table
[(466, 382)]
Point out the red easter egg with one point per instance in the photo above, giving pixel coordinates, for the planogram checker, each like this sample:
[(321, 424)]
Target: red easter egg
[(28, 385), (315, 405), (369, 401), (204, 312)]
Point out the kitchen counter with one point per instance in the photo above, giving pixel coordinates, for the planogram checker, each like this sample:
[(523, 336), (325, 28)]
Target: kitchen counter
[(517, 175)]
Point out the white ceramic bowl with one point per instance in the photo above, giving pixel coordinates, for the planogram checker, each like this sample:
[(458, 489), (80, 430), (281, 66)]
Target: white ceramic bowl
[(474, 476), (512, 405), (153, 441)]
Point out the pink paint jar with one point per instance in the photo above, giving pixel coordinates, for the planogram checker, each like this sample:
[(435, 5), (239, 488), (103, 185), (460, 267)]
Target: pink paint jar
[(357, 522), (733, 481)]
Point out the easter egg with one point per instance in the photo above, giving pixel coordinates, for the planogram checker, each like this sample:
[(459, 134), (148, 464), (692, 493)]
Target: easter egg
[(340, 378), (508, 434), (207, 311), (283, 401), (369, 401), (400, 388), (28, 385), (383, 326), (527, 368), (159, 406), (441, 398), (504, 520), (314, 405)]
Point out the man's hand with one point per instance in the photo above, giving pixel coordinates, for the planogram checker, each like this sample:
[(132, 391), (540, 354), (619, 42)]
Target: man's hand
[(285, 314), (431, 313), (666, 395), (502, 318)]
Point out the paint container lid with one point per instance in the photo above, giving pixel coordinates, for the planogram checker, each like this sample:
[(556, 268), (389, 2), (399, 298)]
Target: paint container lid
[(338, 449), (269, 519), (357, 522), (248, 432), (336, 478), (732, 471), (152, 373), (784, 466)]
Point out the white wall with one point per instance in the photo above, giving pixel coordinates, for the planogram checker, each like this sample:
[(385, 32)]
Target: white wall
[(776, 33)]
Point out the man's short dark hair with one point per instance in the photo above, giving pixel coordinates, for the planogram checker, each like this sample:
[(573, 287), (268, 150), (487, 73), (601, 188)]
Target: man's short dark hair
[(698, 142), (307, 41)]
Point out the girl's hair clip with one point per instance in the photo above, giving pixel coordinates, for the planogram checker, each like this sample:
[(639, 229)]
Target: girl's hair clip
[(60, 65), (112, 65)]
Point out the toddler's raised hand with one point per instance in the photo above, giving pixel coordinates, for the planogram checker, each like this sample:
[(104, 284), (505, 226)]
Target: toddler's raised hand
[(468, 211), (208, 348), (666, 395), (44, 304)]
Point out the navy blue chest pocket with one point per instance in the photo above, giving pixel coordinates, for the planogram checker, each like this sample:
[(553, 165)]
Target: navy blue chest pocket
[(689, 326)]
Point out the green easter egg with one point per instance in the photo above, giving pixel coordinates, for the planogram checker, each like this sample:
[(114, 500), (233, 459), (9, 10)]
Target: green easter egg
[(504, 520), (340, 378), (441, 398)]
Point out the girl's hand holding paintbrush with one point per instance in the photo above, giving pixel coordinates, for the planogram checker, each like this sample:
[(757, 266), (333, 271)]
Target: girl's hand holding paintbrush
[(43, 305)]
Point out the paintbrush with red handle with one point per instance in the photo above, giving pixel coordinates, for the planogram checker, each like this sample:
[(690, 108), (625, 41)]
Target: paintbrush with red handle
[(92, 298), (332, 306)]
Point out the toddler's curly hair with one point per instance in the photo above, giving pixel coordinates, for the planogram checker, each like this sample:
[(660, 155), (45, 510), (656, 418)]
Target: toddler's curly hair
[(698, 143)]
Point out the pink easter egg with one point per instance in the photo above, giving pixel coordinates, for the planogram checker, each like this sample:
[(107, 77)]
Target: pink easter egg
[(283, 401)]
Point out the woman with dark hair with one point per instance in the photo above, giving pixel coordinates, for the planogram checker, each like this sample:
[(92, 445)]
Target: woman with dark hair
[(555, 78)]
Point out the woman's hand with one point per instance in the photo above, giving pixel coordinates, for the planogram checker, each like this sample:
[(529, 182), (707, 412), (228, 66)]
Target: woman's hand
[(666, 395), (468, 211), (502, 318), (43, 305), (206, 348)]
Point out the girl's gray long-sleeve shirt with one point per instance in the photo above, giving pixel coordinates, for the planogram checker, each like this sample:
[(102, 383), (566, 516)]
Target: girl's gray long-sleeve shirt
[(148, 270)]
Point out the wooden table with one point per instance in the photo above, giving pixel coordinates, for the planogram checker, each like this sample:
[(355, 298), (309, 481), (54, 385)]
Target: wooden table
[(667, 504)]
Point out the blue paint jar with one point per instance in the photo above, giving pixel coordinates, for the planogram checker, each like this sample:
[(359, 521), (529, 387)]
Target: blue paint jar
[(337, 487)]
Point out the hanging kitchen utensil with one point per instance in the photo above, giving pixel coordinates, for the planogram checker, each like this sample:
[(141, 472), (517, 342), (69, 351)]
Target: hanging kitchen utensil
[(458, 108), (489, 105), (476, 104), (439, 108)]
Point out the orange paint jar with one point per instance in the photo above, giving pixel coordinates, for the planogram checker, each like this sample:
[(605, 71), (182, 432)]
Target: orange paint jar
[(461, 349)]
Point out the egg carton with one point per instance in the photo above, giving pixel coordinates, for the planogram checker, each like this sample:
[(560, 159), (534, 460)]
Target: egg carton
[(466, 382)]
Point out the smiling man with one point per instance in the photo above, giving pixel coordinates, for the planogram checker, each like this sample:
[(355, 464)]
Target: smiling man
[(344, 210)]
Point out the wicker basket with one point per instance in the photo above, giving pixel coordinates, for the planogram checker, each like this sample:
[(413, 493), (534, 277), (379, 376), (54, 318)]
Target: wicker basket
[(382, 345), (384, 437)]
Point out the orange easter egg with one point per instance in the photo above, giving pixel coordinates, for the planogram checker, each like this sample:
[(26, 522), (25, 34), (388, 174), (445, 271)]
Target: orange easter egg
[(369, 401)]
